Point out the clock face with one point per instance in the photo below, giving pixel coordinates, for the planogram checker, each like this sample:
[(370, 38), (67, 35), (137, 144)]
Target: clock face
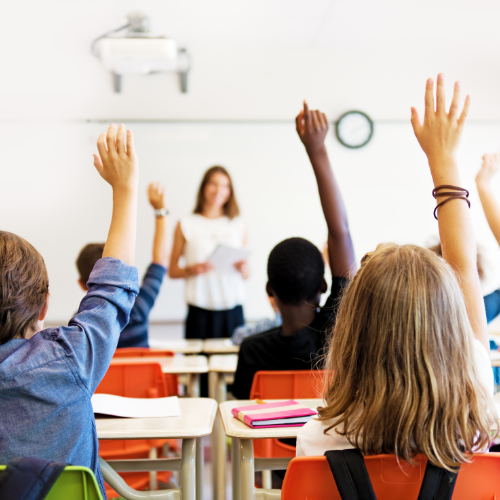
[(354, 129)]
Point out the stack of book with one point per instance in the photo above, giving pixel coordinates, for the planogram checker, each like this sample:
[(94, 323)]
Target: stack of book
[(279, 414)]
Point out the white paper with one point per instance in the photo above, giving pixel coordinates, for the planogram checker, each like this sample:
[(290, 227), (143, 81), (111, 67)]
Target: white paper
[(118, 406), (224, 258)]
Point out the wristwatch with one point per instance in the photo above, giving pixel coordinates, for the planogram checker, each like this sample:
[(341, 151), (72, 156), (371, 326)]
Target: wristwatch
[(161, 212)]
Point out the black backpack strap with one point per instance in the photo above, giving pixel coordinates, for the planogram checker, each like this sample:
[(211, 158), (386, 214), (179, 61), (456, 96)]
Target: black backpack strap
[(438, 483), (29, 478), (349, 470)]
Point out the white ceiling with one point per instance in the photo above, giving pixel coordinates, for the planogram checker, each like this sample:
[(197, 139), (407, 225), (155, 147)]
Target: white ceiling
[(252, 59)]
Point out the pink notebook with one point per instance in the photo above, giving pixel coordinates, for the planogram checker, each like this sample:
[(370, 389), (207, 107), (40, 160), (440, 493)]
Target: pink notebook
[(281, 414)]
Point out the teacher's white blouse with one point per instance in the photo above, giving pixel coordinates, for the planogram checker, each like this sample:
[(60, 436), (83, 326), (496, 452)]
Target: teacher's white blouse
[(213, 290)]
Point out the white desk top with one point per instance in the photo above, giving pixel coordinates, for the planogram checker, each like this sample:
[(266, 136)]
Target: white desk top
[(223, 363), (196, 420), (237, 429), (220, 346), (172, 364), (179, 346)]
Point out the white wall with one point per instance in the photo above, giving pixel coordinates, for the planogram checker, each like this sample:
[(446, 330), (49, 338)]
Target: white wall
[(51, 195), (253, 63)]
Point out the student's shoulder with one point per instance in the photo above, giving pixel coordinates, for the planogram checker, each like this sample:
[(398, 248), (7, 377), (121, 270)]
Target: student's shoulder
[(313, 439), (259, 340)]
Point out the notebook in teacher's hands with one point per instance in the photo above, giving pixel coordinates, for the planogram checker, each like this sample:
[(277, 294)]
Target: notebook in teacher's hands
[(279, 414)]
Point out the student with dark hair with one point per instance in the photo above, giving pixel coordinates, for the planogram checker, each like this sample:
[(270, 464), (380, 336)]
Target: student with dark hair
[(296, 277), (135, 334), (48, 376)]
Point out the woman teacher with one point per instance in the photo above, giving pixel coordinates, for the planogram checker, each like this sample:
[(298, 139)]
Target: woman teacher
[(214, 299)]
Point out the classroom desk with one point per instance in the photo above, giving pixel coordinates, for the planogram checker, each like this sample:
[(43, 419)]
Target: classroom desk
[(178, 346), (221, 372), (243, 462), (220, 346), (178, 364), (196, 421)]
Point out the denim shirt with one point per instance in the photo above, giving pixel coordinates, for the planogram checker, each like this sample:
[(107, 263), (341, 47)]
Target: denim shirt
[(46, 382)]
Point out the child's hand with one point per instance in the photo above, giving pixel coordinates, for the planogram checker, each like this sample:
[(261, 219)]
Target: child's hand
[(116, 165), (491, 165), (312, 127), (440, 133), (156, 195)]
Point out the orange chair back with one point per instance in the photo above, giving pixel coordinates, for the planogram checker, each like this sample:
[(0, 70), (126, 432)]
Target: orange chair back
[(310, 478), (171, 380), (136, 352), (286, 384), (134, 380)]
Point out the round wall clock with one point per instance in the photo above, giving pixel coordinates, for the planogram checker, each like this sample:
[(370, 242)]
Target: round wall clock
[(354, 129)]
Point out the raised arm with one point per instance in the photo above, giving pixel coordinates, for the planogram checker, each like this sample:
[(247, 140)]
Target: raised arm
[(439, 136), (491, 207), (117, 164), (156, 196), (312, 127)]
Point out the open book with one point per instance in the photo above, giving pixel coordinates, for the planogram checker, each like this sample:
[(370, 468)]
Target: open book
[(279, 414), (118, 406)]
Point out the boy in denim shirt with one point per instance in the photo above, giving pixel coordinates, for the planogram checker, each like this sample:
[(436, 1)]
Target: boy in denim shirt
[(47, 377), (135, 334)]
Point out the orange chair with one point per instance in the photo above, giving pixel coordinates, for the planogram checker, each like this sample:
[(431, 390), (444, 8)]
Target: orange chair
[(171, 380), (286, 384), (311, 478), (133, 380)]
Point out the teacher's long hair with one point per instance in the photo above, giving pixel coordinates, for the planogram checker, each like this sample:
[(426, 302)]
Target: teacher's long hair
[(231, 208)]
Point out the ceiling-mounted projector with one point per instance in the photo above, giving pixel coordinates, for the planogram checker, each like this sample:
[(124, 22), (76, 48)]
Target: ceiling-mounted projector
[(139, 53)]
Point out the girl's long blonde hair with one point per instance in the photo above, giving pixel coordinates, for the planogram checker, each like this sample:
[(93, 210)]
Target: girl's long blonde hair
[(401, 368)]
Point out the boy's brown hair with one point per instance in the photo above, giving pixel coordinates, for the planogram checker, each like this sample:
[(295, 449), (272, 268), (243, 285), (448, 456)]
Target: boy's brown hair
[(231, 208), (89, 255), (24, 285)]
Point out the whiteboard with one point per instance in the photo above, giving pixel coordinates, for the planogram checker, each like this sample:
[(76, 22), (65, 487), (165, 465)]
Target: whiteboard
[(51, 194)]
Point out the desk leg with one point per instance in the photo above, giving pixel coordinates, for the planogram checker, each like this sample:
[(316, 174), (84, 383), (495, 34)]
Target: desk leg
[(199, 469), (247, 469), (194, 385), (212, 393), (221, 448), (188, 469), (235, 460)]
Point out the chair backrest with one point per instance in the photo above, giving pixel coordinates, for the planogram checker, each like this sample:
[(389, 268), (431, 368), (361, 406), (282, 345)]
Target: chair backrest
[(136, 352), (134, 380), (287, 384), (311, 478), (75, 483)]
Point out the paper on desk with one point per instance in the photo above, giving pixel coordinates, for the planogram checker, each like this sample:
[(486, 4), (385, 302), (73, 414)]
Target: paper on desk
[(118, 406), (224, 258)]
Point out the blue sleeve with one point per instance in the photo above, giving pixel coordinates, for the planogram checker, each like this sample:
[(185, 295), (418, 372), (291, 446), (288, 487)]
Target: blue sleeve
[(91, 337), (146, 298), (492, 305)]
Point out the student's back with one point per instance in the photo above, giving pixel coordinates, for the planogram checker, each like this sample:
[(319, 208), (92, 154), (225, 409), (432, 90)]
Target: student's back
[(296, 277), (47, 377), (408, 364)]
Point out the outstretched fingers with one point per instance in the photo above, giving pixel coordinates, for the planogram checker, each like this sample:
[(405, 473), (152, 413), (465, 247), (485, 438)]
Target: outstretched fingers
[(465, 111), (429, 97), (130, 143), (120, 139), (98, 163), (440, 95), (110, 139), (454, 102), (415, 121)]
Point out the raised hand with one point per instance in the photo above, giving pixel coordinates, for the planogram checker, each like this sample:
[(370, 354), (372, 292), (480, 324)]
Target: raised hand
[(440, 133), (490, 166), (117, 162), (312, 127), (156, 195)]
